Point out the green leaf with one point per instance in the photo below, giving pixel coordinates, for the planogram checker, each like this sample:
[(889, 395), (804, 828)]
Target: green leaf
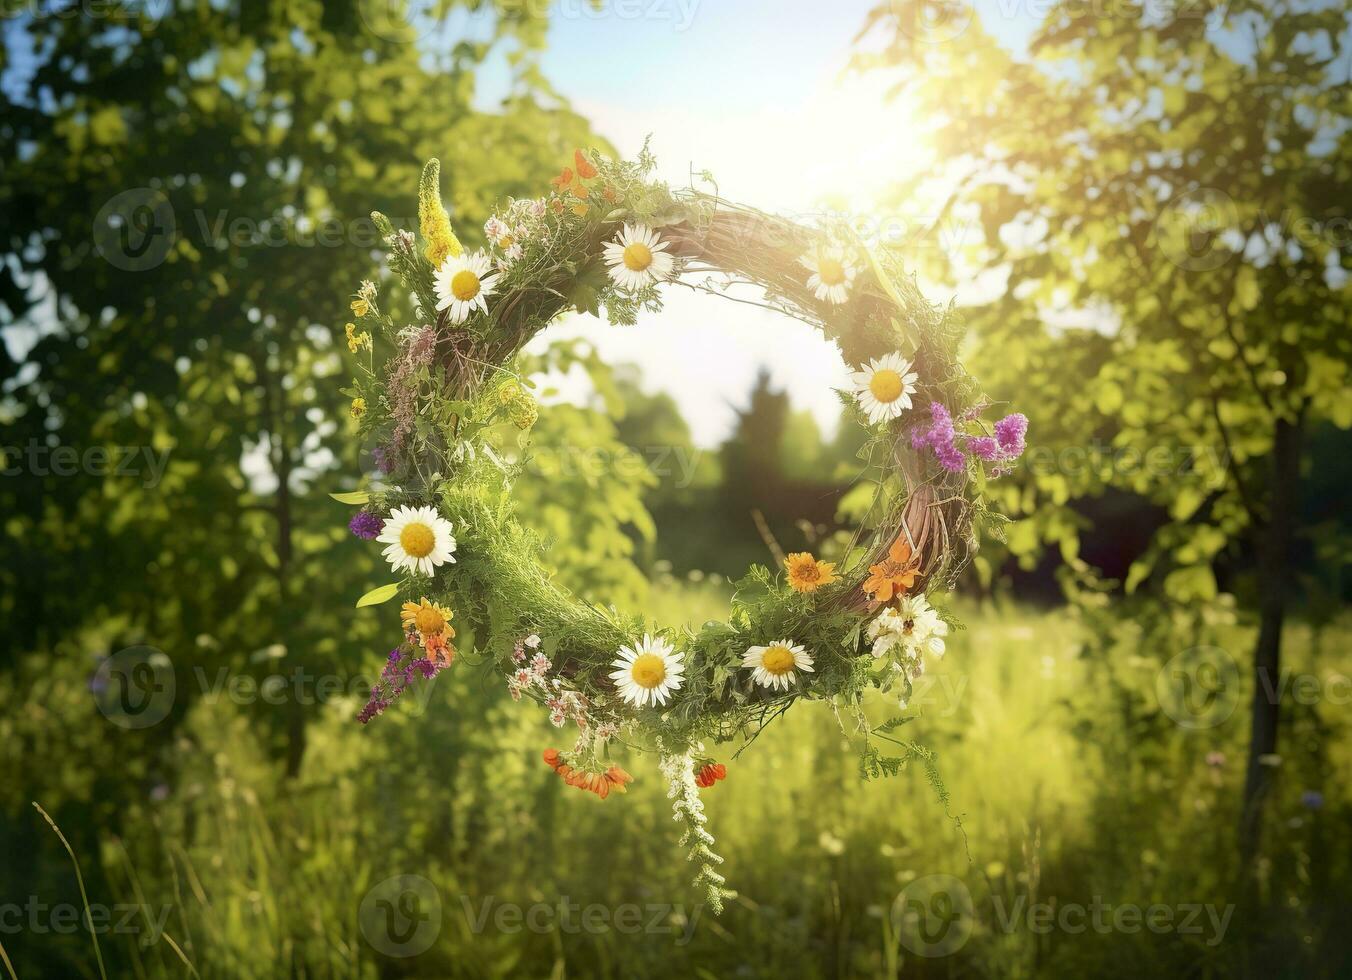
[(376, 596), (354, 497)]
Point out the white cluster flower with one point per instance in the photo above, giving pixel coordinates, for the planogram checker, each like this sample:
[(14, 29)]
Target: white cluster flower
[(565, 705), (679, 771), (911, 630)]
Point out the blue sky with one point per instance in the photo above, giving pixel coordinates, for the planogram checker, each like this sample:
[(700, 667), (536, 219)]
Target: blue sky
[(751, 91)]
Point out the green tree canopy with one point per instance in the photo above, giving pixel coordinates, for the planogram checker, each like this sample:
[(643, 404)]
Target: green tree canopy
[(1163, 197), (186, 192)]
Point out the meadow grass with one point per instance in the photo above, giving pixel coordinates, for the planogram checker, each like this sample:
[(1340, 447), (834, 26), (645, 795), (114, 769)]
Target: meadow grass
[(1069, 788)]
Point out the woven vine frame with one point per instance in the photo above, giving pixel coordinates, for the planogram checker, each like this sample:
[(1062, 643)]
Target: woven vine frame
[(886, 311)]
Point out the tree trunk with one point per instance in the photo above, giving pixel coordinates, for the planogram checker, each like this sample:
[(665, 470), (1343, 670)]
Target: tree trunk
[(282, 465), (295, 709), (1274, 561)]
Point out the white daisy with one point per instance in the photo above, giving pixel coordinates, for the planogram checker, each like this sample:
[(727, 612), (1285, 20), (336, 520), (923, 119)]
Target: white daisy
[(884, 388), (649, 672), (461, 285), (637, 257), (777, 664), (419, 539), (913, 625), (832, 274)]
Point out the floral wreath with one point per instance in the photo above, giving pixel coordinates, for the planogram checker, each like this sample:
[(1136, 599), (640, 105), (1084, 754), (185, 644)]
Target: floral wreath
[(607, 236)]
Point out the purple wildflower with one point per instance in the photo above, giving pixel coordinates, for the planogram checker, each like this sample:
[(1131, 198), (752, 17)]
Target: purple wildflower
[(943, 422), (984, 447), (951, 446), (401, 669), (1010, 430), (951, 457), (941, 437), (1312, 799), (366, 525)]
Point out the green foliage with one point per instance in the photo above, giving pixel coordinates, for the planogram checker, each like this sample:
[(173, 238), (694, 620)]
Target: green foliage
[(1071, 782), (257, 143), (1161, 197)]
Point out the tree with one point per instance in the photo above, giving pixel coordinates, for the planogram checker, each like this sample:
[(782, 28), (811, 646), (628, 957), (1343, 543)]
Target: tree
[(187, 192), (1164, 196)]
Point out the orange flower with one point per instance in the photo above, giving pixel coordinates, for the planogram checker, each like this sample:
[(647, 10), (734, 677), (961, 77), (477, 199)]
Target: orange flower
[(602, 784), (710, 774), (895, 575), (584, 168), (807, 574), (438, 650), (609, 194), (565, 183)]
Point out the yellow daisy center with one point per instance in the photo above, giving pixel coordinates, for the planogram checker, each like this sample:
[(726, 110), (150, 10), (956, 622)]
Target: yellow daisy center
[(464, 285), (886, 385), (417, 540), (648, 670), (429, 620), (637, 256), (830, 271), (777, 660), (807, 571)]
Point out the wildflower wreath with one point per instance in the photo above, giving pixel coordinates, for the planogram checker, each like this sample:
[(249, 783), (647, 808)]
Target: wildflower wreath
[(608, 236)]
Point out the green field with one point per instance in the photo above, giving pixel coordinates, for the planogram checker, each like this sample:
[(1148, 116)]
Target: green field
[(1076, 806)]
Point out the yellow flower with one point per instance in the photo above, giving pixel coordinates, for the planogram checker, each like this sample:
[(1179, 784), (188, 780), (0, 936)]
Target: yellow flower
[(580, 209), (358, 407), (433, 220), (360, 307), (807, 574), (356, 341), (428, 618)]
